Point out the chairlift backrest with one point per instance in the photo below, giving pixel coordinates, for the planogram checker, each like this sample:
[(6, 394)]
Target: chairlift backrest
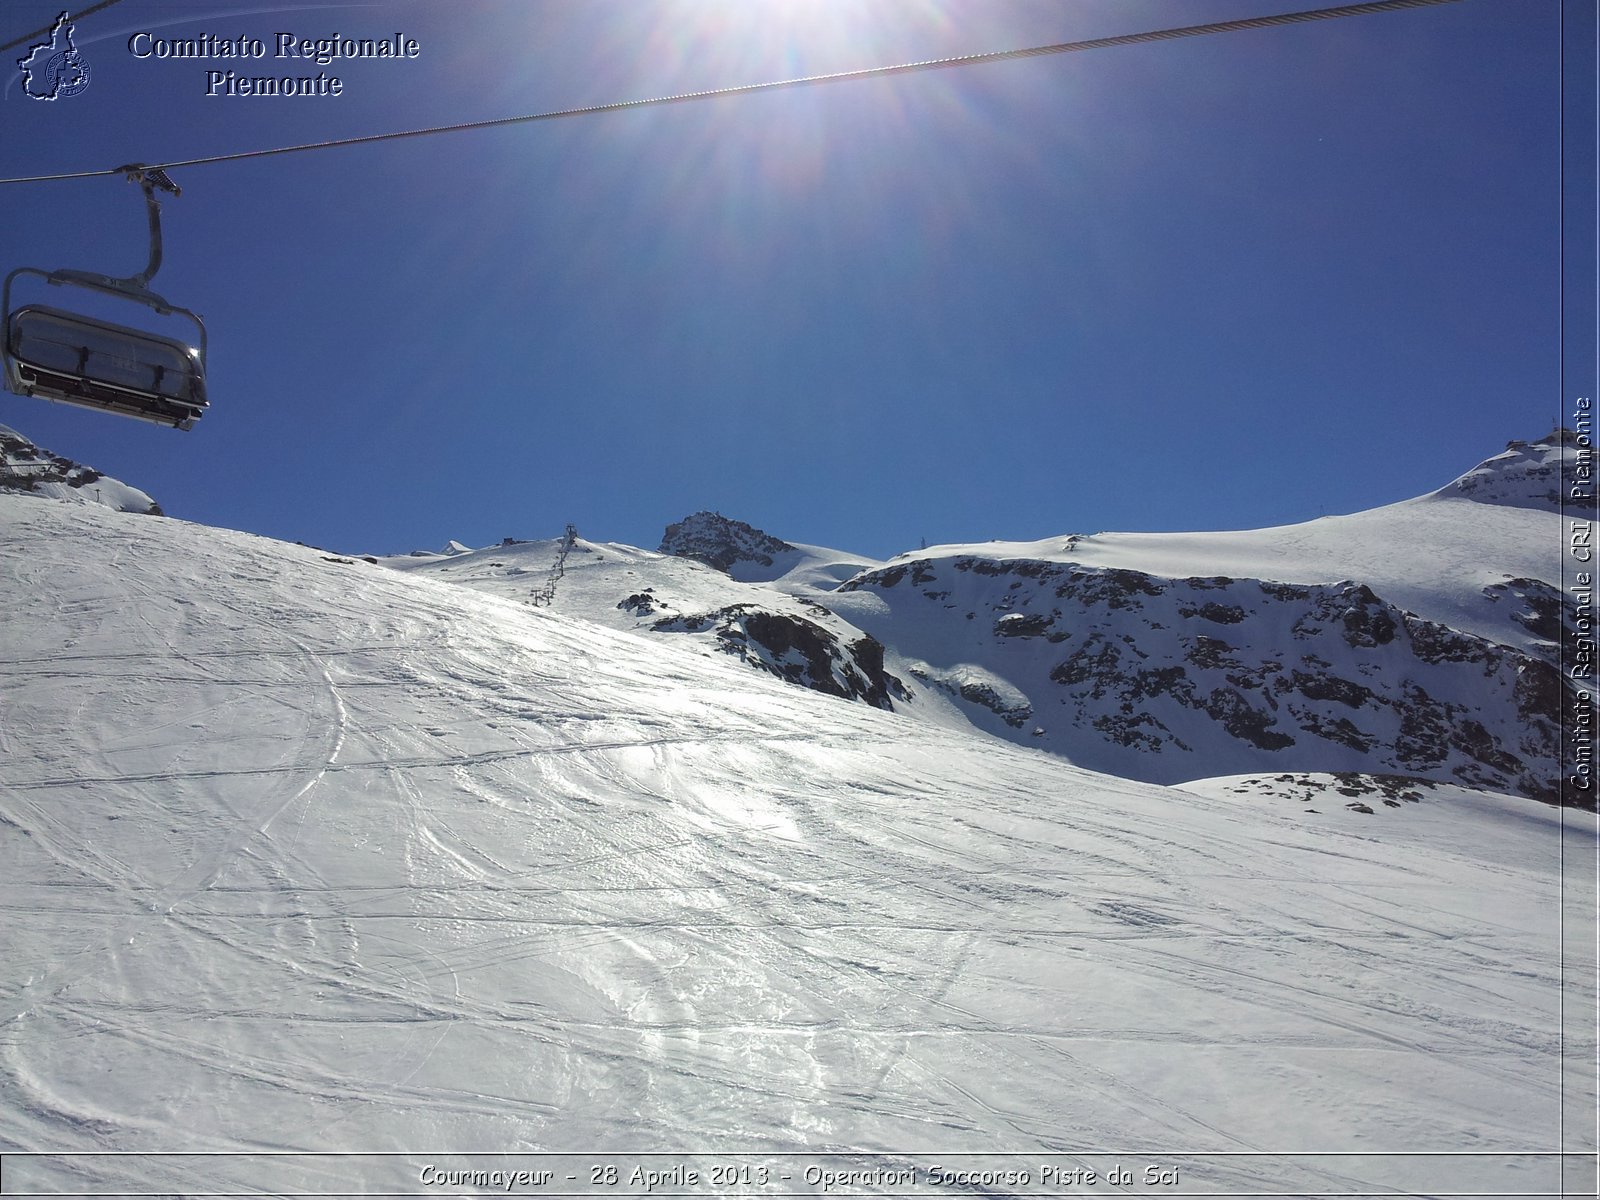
[(58, 355), (114, 355)]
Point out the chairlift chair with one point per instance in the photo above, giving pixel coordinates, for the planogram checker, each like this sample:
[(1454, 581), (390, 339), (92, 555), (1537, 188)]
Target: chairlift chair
[(75, 359)]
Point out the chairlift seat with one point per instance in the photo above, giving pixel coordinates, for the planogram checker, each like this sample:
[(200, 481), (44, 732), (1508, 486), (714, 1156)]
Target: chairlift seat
[(59, 355)]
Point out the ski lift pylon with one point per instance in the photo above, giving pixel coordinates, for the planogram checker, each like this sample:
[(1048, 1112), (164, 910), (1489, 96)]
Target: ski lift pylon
[(56, 354)]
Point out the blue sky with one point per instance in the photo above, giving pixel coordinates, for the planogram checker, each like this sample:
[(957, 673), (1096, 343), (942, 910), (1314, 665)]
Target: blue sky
[(1221, 282)]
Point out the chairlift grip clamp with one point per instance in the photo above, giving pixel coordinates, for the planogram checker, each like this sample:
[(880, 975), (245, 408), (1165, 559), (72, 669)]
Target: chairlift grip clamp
[(148, 177)]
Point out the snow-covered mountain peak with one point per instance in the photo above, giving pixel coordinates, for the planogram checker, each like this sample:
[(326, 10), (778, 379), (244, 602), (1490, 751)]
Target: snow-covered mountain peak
[(719, 542), (24, 467), (1524, 475)]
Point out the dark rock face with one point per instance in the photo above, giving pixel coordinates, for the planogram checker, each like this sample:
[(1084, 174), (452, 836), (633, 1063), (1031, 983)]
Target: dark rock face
[(1220, 614), (1542, 610), (1541, 691), (1238, 675), (1025, 625), (641, 604), (1434, 643), (719, 542), (1364, 619), (1330, 687), (1138, 731), (799, 651), (1096, 661), (1393, 791), (982, 693), (1211, 653), (1230, 709), (1339, 731), (1367, 621), (919, 572), (1542, 614)]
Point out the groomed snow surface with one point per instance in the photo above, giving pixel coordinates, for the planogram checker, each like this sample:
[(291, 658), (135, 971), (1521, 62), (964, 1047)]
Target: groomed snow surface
[(303, 854)]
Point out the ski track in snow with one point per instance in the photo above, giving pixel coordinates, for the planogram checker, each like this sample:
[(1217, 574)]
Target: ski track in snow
[(311, 856)]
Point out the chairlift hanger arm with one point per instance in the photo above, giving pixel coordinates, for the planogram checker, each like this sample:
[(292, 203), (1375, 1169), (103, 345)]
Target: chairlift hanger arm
[(74, 358), (148, 179)]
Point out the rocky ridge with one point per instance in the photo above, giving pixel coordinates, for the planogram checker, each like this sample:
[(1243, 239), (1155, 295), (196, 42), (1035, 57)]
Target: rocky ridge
[(1163, 679), (719, 542), (25, 467)]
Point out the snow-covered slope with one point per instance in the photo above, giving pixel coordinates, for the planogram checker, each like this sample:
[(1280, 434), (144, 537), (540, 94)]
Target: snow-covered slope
[(24, 467), (777, 627), (299, 853)]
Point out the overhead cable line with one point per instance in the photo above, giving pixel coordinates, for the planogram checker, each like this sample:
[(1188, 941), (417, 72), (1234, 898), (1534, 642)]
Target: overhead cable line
[(28, 37), (966, 60)]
